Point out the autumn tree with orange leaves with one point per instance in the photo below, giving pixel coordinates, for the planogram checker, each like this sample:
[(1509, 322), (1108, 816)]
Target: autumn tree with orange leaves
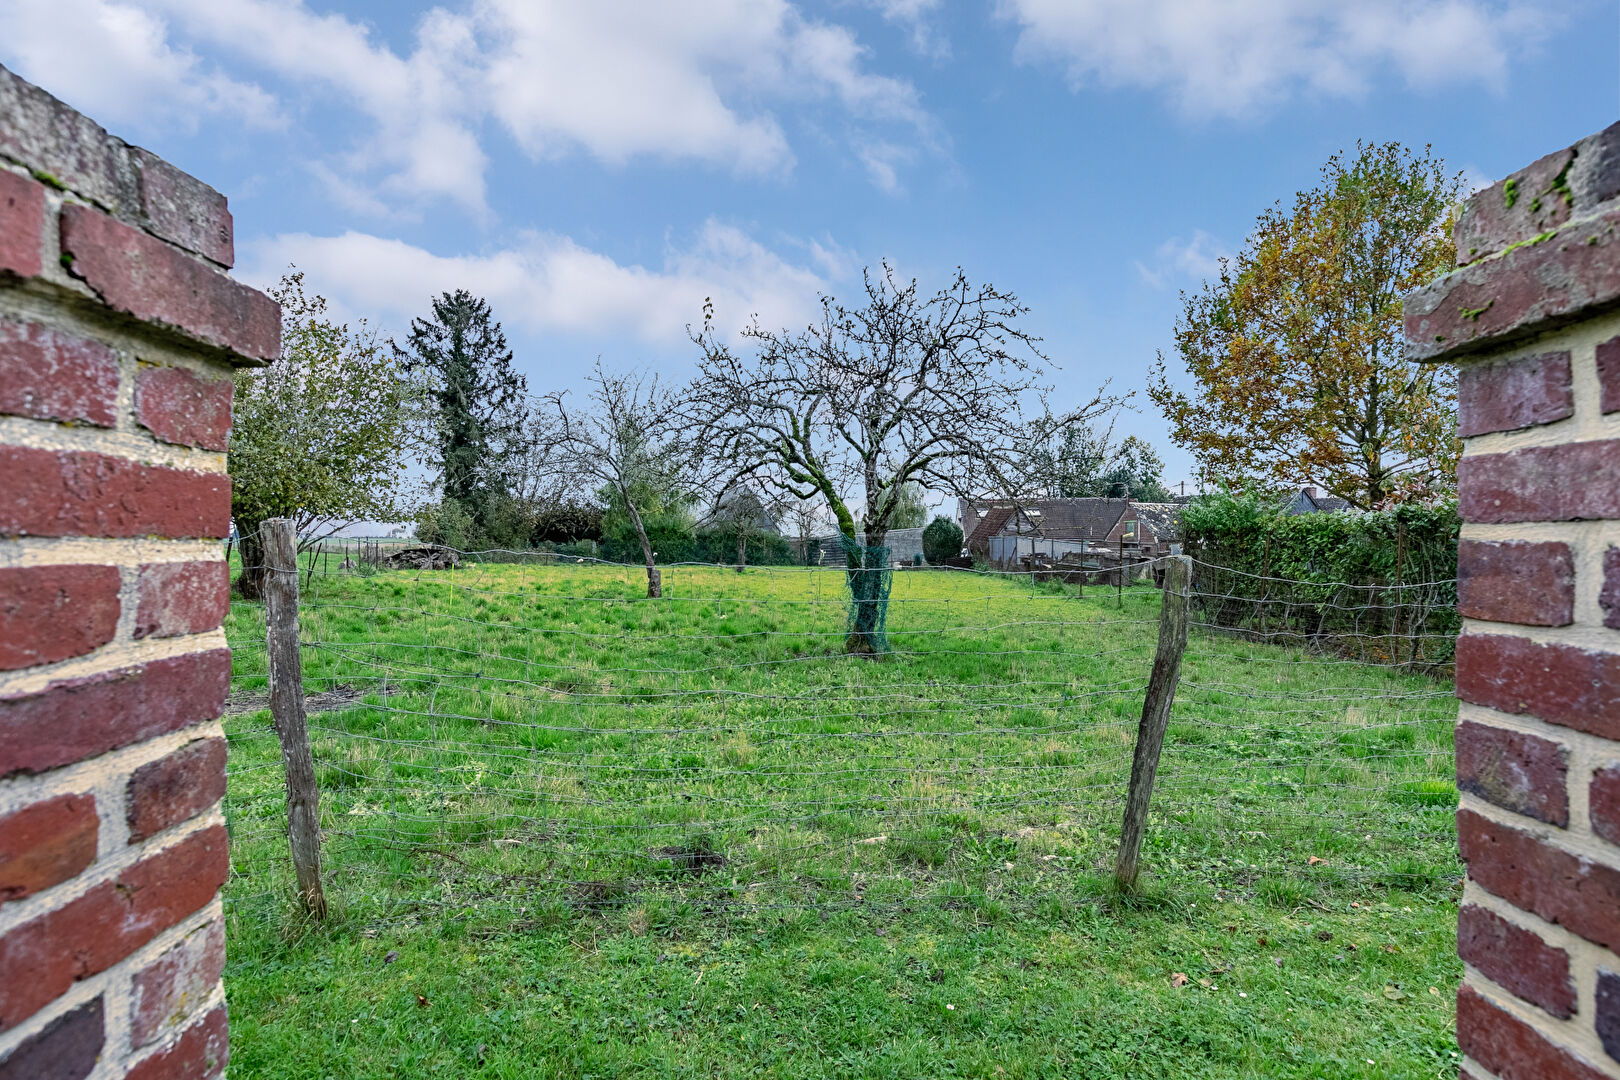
[(1298, 368)]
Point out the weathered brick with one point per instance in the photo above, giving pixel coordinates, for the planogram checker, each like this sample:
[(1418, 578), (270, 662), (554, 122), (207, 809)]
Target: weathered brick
[(1607, 1008), (199, 1054), (1608, 368), (51, 613), (1572, 482), (1571, 890), (167, 991), (77, 152), (1516, 959), (1516, 581), (74, 719), (1568, 183), (179, 207), (1525, 204), (1603, 802), (22, 224), (1516, 771), (175, 788), (46, 844), (135, 185), (51, 375), (1503, 395), (78, 493), (1609, 595), (181, 598), (40, 959), (1511, 1048), (70, 943), (154, 281), (179, 406), (1563, 684), (67, 1048), (1498, 301)]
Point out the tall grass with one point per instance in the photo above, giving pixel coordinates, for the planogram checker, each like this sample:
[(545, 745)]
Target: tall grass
[(541, 737)]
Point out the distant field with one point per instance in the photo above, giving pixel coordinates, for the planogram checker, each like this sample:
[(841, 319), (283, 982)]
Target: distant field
[(611, 836)]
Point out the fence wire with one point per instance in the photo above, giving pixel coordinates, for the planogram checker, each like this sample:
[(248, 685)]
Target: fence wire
[(529, 734)]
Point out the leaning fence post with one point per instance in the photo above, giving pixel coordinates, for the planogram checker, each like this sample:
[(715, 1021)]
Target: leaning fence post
[(287, 708), (1161, 693)]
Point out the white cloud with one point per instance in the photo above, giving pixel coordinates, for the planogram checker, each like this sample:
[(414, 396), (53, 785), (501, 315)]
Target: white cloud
[(620, 84), (114, 62), (883, 161), (1196, 258), (914, 16), (1241, 56), (616, 79), (423, 105), (548, 283)]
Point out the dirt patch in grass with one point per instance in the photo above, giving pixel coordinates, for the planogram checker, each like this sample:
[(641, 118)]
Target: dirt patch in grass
[(338, 697)]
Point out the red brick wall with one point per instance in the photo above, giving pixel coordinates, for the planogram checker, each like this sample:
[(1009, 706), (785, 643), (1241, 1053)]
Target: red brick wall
[(1532, 319), (119, 327)]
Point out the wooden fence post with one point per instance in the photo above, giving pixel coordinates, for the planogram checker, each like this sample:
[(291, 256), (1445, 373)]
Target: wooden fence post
[(287, 709), (1161, 694)]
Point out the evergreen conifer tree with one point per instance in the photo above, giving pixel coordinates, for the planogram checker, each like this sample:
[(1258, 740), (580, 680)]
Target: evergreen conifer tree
[(480, 401)]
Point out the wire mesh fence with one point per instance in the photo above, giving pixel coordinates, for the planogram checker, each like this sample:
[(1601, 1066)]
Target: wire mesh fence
[(526, 735)]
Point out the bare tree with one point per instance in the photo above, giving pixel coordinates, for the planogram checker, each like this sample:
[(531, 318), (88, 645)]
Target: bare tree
[(904, 388), (746, 511), (628, 438), (803, 517)]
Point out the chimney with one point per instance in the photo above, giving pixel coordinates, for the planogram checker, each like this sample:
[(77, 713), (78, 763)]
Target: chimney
[(1309, 492)]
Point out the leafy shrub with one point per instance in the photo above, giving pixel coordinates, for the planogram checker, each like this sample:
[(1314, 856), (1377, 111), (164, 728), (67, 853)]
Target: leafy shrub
[(447, 524), (941, 540), (1350, 577), (562, 522), (675, 541)]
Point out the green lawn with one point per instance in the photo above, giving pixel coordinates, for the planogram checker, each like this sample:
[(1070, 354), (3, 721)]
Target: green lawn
[(608, 836)]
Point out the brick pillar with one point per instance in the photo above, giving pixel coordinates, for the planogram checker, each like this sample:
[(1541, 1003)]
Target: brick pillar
[(1533, 322), (118, 330)]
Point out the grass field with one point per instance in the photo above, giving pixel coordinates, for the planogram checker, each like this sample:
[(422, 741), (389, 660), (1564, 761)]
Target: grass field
[(606, 836)]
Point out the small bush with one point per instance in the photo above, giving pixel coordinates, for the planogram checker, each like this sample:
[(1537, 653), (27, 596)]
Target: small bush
[(446, 524), (941, 540)]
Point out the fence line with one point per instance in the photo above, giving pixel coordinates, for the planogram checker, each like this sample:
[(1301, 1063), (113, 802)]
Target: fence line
[(537, 734)]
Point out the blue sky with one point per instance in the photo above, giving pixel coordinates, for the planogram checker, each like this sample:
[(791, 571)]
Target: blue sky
[(597, 169)]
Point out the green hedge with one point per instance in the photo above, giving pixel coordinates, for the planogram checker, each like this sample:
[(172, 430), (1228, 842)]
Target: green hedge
[(678, 545), (1379, 586)]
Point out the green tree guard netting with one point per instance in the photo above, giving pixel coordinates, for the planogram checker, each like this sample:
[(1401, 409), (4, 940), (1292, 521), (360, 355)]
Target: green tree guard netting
[(869, 585)]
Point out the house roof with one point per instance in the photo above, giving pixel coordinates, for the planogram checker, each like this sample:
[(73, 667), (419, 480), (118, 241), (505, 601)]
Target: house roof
[(1163, 519), (1311, 501), (1076, 519), (1053, 519), (991, 522)]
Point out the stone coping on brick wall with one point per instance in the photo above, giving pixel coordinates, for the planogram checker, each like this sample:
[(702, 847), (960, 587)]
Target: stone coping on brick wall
[(89, 221), (1532, 315), (119, 328), (70, 152), (1535, 251)]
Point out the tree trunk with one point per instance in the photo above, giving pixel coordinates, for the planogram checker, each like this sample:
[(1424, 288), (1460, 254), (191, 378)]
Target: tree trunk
[(655, 581), (251, 580), (869, 596), (742, 549)]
